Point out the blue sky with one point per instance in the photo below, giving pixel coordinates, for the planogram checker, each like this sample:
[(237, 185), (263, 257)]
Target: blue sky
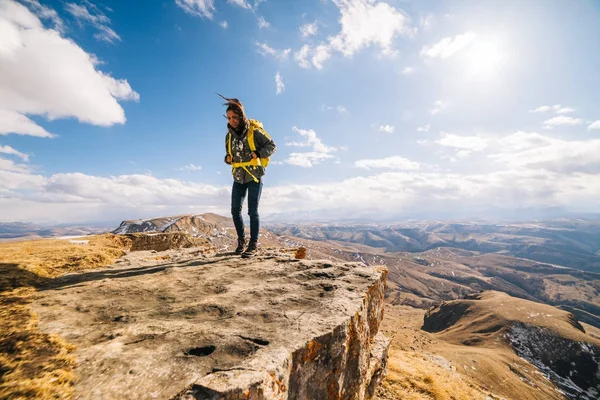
[(382, 109)]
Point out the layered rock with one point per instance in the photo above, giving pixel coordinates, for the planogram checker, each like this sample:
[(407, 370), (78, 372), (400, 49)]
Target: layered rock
[(221, 327), (200, 224)]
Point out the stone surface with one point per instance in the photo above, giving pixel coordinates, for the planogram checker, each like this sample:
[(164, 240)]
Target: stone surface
[(221, 327)]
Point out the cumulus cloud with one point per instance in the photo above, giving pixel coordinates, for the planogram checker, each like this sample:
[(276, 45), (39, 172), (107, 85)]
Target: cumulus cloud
[(224, 24), (200, 8), (307, 30), (319, 152), (42, 73), (386, 128), (368, 23), (94, 17), (407, 70), (395, 162), (267, 50), (315, 56), (424, 128), (279, 83), (364, 23), (449, 46), (532, 170), (561, 120), (594, 125)]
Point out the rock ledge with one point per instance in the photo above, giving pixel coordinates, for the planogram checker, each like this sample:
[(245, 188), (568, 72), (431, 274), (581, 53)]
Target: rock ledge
[(221, 327)]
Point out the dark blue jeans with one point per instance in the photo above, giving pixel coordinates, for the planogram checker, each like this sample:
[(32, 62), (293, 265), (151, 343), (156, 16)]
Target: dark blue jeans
[(238, 193)]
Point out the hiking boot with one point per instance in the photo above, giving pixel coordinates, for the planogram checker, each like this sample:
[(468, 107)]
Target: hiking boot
[(250, 250), (240, 247)]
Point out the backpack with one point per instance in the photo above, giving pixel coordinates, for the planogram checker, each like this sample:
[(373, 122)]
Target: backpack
[(254, 125)]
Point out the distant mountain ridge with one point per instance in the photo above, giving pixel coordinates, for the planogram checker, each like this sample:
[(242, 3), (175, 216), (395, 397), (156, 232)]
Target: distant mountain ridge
[(195, 224), (25, 230), (574, 244)]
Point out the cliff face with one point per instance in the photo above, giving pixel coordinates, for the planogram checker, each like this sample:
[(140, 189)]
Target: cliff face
[(185, 325)]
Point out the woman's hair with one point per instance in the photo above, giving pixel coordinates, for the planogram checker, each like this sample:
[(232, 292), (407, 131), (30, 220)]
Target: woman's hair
[(234, 105)]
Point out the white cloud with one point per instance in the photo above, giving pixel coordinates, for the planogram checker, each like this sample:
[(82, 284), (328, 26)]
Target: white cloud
[(262, 23), (539, 152), (96, 18), (189, 167), (308, 159), (51, 76), (447, 47), (557, 107), (563, 110), (316, 56), (532, 170), (311, 140), (319, 152), (45, 13), (302, 56), (424, 128), (265, 50), (241, 3), (469, 143), (407, 70), (320, 54), (437, 107), (395, 162), (341, 109), (14, 122), (201, 8), (368, 23), (386, 128), (224, 24), (364, 23), (594, 125), (279, 83), (561, 120), (540, 109), (73, 198), (10, 150), (309, 30)]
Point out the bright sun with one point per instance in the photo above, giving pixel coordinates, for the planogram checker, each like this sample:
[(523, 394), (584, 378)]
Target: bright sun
[(484, 59)]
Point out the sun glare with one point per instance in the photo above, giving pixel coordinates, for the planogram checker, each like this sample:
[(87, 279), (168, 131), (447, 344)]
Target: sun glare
[(484, 59)]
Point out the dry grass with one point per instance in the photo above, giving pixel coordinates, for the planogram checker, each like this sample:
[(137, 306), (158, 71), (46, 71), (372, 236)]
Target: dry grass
[(414, 376), (34, 364), (30, 263)]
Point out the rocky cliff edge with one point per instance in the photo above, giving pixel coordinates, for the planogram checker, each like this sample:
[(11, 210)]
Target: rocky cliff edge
[(184, 324)]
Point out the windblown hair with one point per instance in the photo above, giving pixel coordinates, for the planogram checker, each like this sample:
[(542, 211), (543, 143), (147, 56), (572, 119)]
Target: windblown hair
[(234, 105)]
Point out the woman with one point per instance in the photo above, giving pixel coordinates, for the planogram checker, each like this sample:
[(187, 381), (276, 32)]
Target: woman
[(248, 148)]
